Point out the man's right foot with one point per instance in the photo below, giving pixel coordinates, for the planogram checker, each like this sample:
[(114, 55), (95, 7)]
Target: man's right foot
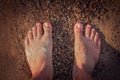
[(38, 48), (87, 48)]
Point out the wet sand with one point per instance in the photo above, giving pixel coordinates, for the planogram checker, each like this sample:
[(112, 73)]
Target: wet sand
[(17, 17)]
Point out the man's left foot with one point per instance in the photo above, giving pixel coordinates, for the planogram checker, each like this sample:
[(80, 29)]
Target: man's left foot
[(87, 48)]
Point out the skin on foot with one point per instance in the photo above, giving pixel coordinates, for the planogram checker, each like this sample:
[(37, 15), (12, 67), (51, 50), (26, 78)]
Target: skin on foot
[(87, 48), (38, 49)]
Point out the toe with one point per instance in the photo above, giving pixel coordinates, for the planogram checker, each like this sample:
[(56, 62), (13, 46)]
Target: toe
[(99, 43), (30, 36), (39, 30), (96, 38), (34, 31), (47, 29), (88, 31), (78, 30), (92, 34), (26, 42)]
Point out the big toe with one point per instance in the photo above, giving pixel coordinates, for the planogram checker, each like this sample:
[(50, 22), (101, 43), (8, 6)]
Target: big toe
[(78, 30), (47, 29)]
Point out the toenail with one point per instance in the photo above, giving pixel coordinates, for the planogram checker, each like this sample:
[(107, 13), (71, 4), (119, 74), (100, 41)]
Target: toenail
[(93, 29), (30, 31), (38, 24), (88, 26), (33, 28), (77, 26), (46, 25)]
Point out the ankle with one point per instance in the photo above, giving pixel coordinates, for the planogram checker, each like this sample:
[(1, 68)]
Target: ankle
[(86, 68), (81, 73)]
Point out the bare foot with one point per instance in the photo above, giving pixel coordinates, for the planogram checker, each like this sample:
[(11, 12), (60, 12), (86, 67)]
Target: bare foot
[(87, 48), (38, 50)]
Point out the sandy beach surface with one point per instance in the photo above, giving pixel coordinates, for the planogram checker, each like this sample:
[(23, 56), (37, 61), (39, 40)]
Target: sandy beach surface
[(17, 17)]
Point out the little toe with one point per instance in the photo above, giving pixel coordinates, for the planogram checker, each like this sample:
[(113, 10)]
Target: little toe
[(88, 31), (78, 30), (92, 34), (34, 31), (30, 36), (47, 29), (96, 38), (99, 44), (39, 30)]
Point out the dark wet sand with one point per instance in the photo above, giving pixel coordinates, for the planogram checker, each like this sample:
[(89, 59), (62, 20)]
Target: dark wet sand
[(17, 17)]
